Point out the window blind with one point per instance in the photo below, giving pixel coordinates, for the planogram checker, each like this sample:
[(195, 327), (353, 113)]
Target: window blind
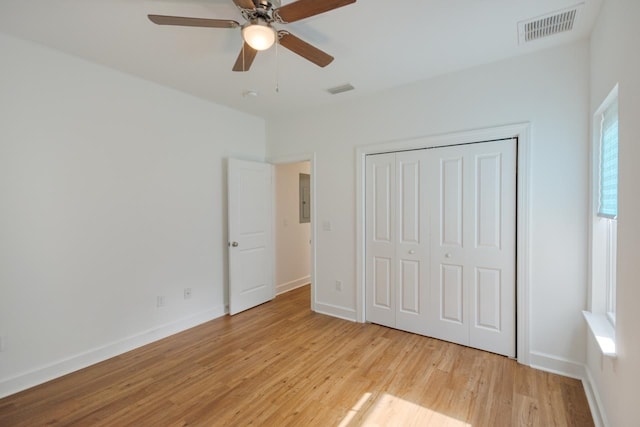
[(609, 163)]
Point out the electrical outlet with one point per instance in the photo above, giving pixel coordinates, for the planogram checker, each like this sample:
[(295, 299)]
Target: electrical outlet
[(187, 293), (160, 301), (339, 285)]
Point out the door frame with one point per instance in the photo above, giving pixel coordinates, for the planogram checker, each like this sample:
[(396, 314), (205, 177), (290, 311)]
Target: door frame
[(297, 158), (522, 131)]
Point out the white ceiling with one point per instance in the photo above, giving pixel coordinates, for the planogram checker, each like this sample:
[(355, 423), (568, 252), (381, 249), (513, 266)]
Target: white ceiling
[(377, 44)]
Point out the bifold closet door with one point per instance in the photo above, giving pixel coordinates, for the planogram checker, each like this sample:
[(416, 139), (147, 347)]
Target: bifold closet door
[(440, 243), (472, 281), (397, 241)]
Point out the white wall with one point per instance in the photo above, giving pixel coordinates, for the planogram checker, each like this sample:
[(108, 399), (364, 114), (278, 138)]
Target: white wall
[(615, 58), (550, 90), (293, 251), (112, 192)]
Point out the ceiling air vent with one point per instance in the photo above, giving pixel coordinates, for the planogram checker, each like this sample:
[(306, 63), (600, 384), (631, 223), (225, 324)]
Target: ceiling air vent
[(548, 25), (339, 89)]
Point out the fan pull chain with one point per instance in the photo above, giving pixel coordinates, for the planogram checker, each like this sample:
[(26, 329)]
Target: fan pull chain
[(277, 64)]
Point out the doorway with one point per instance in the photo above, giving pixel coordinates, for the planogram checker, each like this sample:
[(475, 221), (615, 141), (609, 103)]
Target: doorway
[(252, 215), (292, 225)]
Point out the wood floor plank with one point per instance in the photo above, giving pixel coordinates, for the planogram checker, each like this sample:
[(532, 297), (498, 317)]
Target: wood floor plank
[(280, 364)]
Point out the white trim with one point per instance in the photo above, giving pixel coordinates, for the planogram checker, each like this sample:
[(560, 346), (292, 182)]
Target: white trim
[(522, 132), (311, 158), (610, 99), (599, 280), (523, 257), (603, 332), (336, 311), (594, 400), (294, 284), (557, 365), (79, 361), (596, 297)]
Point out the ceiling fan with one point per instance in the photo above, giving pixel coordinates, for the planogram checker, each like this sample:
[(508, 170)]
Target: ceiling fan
[(259, 33)]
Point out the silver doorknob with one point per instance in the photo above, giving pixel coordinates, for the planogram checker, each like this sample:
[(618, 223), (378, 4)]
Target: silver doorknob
[(447, 255), (411, 251), (234, 244)]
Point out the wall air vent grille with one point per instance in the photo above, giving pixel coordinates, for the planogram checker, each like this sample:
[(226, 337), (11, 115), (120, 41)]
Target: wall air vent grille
[(339, 89), (548, 25)]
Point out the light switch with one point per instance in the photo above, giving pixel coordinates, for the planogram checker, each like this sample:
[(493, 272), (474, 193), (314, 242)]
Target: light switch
[(326, 225)]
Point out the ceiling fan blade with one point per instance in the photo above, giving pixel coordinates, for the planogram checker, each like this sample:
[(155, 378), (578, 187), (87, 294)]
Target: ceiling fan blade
[(304, 49), (193, 22), (305, 8), (245, 4), (245, 59)]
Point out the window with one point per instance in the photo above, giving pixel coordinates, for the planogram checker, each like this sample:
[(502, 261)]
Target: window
[(605, 227), (608, 206)]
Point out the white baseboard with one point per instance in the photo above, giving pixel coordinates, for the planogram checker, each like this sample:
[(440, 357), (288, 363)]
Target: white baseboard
[(557, 365), (336, 311), (289, 286), (59, 368), (593, 397)]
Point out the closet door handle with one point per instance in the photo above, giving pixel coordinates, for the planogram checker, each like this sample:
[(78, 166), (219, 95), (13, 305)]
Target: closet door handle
[(447, 255), (411, 251)]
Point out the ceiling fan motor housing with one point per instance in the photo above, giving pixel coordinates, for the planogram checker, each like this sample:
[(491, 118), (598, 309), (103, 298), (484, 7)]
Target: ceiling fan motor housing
[(263, 10)]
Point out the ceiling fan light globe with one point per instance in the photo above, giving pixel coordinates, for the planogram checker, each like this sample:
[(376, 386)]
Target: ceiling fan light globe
[(260, 36)]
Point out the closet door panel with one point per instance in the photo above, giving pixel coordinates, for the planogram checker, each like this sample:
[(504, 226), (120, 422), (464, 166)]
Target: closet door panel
[(488, 291), (448, 301), (473, 295), (380, 224), (412, 248), (450, 201), (491, 256), (409, 300), (451, 294), (382, 282)]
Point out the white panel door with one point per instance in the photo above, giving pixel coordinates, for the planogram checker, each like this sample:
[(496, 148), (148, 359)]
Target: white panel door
[(445, 189), (473, 245), (397, 249), (250, 239), (412, 243), (493, 245), (380, 195)]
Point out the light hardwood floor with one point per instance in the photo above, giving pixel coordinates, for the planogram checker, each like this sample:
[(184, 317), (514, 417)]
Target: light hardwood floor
[(280, 364)]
